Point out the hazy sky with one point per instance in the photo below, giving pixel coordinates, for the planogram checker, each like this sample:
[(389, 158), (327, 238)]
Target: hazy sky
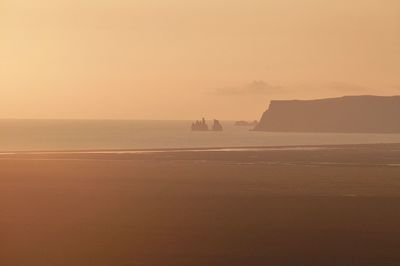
[(184, 59)]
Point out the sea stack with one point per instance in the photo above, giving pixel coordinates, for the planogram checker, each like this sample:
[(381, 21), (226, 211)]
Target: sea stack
[(348, 114), (199, 125), (202, 126), (217, 126)]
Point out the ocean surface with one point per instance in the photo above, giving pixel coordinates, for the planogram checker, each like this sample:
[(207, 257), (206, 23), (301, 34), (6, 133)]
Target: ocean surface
[(61, 135)]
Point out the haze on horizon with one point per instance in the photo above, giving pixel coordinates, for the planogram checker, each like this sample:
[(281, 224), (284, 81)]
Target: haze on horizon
[(172, 59)]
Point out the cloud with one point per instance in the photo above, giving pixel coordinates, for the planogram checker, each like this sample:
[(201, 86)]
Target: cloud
[(254, 88), (344, 87)]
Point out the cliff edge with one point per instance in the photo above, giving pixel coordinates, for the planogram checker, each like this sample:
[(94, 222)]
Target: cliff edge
[(348, 114)]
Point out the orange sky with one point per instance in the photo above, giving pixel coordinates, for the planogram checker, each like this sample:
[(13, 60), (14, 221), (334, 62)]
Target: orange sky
[(184, 59)]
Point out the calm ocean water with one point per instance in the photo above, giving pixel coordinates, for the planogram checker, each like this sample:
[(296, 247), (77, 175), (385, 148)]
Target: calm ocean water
[(50, 135)]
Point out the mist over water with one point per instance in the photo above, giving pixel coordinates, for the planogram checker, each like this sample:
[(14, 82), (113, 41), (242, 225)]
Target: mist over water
[(50, 135)]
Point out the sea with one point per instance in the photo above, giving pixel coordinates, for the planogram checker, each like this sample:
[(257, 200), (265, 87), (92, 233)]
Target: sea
[(70, 135)]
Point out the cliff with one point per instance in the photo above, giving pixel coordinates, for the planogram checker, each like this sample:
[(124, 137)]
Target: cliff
[(348, 114)]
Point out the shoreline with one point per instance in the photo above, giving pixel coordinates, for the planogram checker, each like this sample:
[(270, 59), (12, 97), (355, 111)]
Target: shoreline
[(200, 149), (353, 155)]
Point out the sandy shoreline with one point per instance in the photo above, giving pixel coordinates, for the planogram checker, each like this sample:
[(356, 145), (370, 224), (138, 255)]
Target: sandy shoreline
[(325, 206), (203, 149)]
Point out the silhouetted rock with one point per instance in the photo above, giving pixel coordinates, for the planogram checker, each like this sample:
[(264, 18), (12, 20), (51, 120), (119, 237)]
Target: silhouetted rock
[(200, 125), (217, 126), (348, 114)]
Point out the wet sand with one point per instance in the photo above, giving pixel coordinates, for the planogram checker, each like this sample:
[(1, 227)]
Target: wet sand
[(336, 205)]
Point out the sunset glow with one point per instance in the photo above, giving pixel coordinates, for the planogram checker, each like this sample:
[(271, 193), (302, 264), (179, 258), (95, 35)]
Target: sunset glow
[(147, 59)]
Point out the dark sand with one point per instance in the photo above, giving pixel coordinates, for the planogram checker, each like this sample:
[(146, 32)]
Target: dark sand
[(330, 206)]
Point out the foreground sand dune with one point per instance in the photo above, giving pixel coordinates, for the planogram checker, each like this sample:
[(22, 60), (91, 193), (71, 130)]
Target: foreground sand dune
[(336, 205)]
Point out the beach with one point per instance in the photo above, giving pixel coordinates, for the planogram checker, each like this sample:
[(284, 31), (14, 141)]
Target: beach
[(309, 205)]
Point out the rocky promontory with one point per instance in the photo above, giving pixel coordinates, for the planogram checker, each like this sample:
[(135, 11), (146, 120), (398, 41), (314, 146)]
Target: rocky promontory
[(348, 114)]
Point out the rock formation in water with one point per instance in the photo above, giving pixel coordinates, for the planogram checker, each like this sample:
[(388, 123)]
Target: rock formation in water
[(217, 126), (200, 125), (348, 114)]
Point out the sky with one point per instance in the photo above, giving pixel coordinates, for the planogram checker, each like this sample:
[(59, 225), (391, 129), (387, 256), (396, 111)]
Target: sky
[(185, 59)]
